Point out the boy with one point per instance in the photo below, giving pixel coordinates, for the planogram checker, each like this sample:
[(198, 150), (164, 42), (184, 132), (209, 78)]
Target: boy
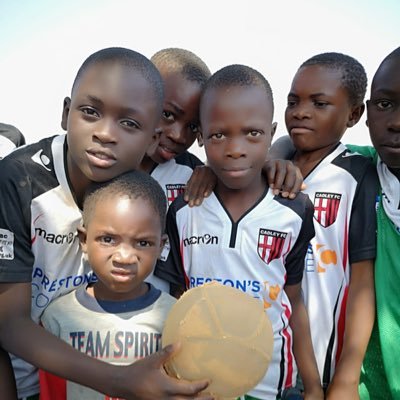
[(184, 75), (119, 318), (379, 377), (243, 235), (111, 121), (326, 98)]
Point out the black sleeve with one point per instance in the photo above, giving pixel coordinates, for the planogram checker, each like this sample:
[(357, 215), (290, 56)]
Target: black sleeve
[(295, 259), (362, 229), (170, 267), (188, 159), (16, 257)]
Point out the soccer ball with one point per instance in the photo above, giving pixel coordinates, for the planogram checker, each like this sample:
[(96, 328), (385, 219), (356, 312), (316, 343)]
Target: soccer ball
[(225, 337)]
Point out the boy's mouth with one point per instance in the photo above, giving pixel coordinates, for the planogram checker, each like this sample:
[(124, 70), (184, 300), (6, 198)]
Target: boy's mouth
[(235, 171), (166, 152), (101, 158), (300, 130)]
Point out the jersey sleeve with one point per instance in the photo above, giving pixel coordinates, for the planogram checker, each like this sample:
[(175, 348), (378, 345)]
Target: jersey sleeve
[(295, 259), (367, 151), (362, 229), (16, 257), (188, 159), (170, 267)]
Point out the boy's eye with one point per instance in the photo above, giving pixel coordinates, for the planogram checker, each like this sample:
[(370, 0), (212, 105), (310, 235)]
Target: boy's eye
[(106, 239), (90, 111), (254, 133), (168, 115), (216, 136), (194, 128), (320, 104), (144, 243), (383, 104), (130, 123), (291, 103)]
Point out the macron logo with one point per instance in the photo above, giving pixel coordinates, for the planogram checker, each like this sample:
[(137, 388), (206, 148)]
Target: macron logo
[(205, 239), (41, 159)]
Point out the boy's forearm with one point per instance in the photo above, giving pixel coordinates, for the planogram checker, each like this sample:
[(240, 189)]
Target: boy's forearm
[(302, 344), (360, 315), (303, 350)]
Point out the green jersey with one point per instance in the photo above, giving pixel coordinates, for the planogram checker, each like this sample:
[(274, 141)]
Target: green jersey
[(380, 372)]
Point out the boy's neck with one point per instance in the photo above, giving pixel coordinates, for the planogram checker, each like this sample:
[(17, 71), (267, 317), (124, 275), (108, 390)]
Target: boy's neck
[(308, 160), (238, 201), (78, 182)]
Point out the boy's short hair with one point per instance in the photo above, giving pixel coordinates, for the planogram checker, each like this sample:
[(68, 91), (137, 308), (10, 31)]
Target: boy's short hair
[(239, 75), (354, 77), (394, 54), (133, 184), (128, 58), (183, 61)]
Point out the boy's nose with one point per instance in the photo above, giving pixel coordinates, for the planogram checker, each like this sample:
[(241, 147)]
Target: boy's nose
[(301, 112), (235, 148), (125, 255), (177, 134), (105, 132), (394, 122)]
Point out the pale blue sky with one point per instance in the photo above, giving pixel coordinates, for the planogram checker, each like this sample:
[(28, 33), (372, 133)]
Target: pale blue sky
[(43, 43)]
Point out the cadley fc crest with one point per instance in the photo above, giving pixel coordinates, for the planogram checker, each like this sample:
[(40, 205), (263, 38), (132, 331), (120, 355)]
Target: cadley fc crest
[(326, 206), (173, 191), (270, 244)]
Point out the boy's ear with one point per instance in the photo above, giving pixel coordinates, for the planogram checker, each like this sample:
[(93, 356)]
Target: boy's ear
[(273, 129), (82, 238), (355, 115), (200, 139), (65, 112)]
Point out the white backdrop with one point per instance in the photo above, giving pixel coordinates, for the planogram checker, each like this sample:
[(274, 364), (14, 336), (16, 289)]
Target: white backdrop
[(43, 43)]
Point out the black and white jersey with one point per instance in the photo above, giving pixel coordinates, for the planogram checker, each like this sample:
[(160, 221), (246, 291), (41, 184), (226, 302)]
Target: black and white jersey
[(259, 254), (38, 232), (172, 177), (174, 174), (343, 188)]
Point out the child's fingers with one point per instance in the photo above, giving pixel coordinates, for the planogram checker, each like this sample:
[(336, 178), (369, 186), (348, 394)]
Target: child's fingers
[(199, 186)]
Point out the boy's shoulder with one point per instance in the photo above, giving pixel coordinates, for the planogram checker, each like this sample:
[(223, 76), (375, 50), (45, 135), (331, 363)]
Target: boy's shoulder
[(188, 159), (32, 166), (31, 158), (166, 300), (366, 151), (355, 163), (301, 204), (60, 305)]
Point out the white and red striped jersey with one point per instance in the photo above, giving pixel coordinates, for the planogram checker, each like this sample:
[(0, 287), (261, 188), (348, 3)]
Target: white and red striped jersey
[(259, 254), (343, 188)]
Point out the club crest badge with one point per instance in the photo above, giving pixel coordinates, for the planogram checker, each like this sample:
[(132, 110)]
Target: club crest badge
[(173, 191), (270, 244), (326, 206)]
